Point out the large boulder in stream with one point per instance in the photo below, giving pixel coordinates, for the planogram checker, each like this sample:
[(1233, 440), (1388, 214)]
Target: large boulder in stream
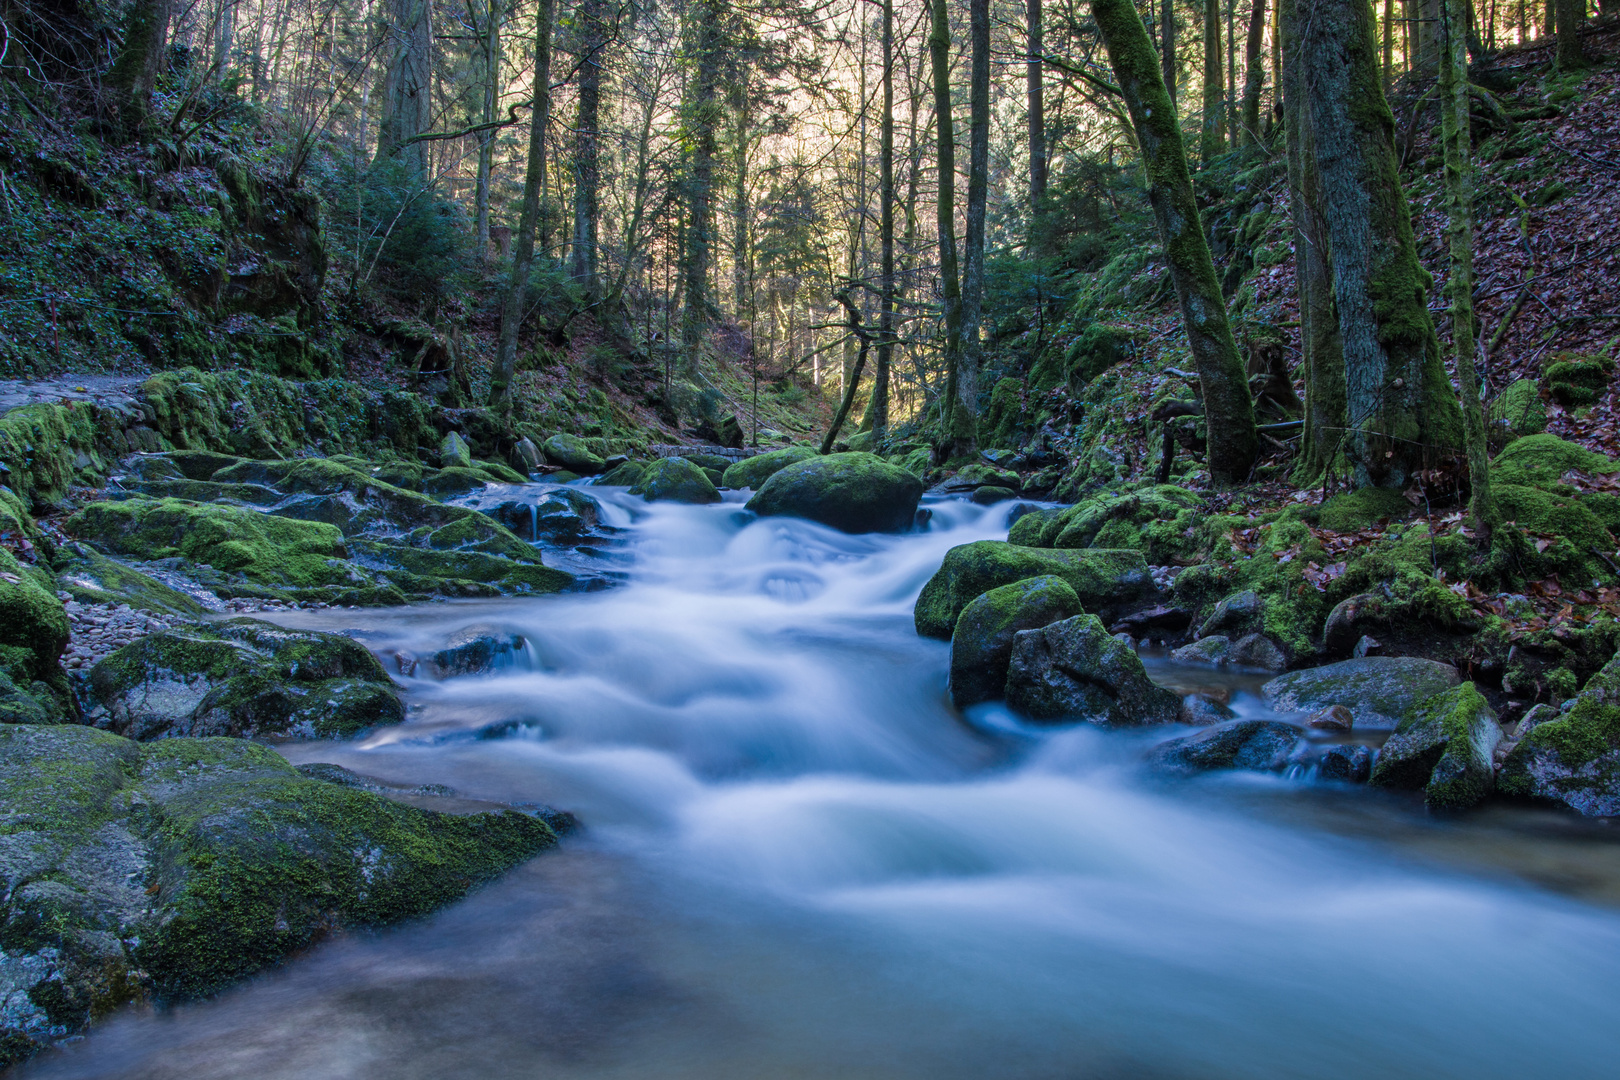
[(751, 472), (1572, 761), (981, 647), (243, 677), (1380, 691), (853, 492), (1447, 748), (157, 872), (1251, 745), (675, 479), (1075, 670), (572, 453), (1107, 582)]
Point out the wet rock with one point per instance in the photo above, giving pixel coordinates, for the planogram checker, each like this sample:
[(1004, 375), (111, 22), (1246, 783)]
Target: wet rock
[(1349, 621), (1200, 711), (1447, 748), (1073, 670), (990, 494), (1210, 650), (1572, 759), (626, 474), (454, 453), (572, 453), (478, 650), (166, 871), (1252, 745), (852, 492), (1367, 646), (674, 479), (1346, 764), (1332, 718), (566, 514), (1381, 690), (1256, 651), (981, 647), (1238, 612), (1154, 623), (243, 677), (1108, 582), (528, 455)]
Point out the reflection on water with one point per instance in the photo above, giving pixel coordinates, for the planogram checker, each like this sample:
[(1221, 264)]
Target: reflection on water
[(798, 862)]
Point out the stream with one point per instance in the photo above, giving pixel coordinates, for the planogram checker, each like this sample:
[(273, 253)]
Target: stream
[(798, 861)]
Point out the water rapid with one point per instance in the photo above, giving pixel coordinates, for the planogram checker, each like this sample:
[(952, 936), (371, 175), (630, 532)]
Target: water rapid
[(797, 861)]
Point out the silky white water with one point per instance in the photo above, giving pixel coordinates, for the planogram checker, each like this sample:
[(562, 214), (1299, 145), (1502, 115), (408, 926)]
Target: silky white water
[(797, 861)]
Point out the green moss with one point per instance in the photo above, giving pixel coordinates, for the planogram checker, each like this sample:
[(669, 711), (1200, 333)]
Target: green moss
[(751, 472), (675, 479), (1162, 522), (1101, 579), (1517, 412), (1355, 510), (628, 474), (1542, 460), (44, 448), (1292, 609), (1571, 536), (33, 625)]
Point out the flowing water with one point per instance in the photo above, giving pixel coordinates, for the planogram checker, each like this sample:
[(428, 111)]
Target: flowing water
[(798, 862)]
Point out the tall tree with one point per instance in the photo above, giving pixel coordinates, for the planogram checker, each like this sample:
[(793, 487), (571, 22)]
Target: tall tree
[(1254, 73), (529, 220), (592, 40), (1167, 46), (1323, 353), (407, 84), (1228, 408), (1459, 179), (961, 408), (701, 118), (489, 57), (1036, 95), (139, 61), (1571, 55), (978, 190), (1401, 409), (877, 419), (1212, 136)]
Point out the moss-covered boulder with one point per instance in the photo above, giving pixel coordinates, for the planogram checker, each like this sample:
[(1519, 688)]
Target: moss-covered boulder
[(1355, 510), (1574, 380), (33, 625), (674, 479), (1573, 761), (1162, 522), (1106, 582), (166, 871), (1543, 460), (1518, 411), (1074, 670), (1249, 745), (1447, 747), (92, 578), (624, 474), (1381, 691), (853, 492), (241, 678), (572, 453), (454, 453), (981, 646), (751, 472)]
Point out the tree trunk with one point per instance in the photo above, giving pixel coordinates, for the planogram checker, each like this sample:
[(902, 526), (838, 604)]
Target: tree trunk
[(1213, 133), (1228, 408), (1254, 73), (140, 60), (587, 142), (407, 84), (961, 411), (702, 118), (740, 285), (1459, 179), (978, 189), (1323, 352), (1167, 46), (1402, 412), (491, 60), (529, 220), (1571, 56), (877, 409), (1037, 123), (1389, 45)]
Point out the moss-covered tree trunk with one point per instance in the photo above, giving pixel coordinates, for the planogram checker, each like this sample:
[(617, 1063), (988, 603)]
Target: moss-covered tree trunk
[(961, 414), (529, 221), (1036, 97), (1322, 351), (134, 73), (1571, 55), (407, 84), (592, 41), (877, 406), (1455, 140), (1228, 408), (1254, 73), (701, 118), (1401, 409), (1167, 46), (1212, 136), (978, 191)]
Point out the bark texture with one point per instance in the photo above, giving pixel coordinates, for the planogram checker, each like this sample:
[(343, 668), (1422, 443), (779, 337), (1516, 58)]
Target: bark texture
[(407, 84), (960, 415), (978, 189)]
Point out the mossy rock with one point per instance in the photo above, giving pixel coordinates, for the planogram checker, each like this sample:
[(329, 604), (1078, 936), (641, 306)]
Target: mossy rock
[(852, 492), (1447, 748), (1104, 581), (1381, 691), (751, 472), (1518, 411), (675, 479), (169, 870), (454, 453), (1577, 380), (1543, 460), (627, 474), (1247, 745), (33, 624), (1273, 568), (1352, 511), (498, 473), (242, 678), (92, 578), (1161, 522), (1008, 416), (1574, 537), (419, 571), (572, 453), (981, 644), (1074, 670)]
